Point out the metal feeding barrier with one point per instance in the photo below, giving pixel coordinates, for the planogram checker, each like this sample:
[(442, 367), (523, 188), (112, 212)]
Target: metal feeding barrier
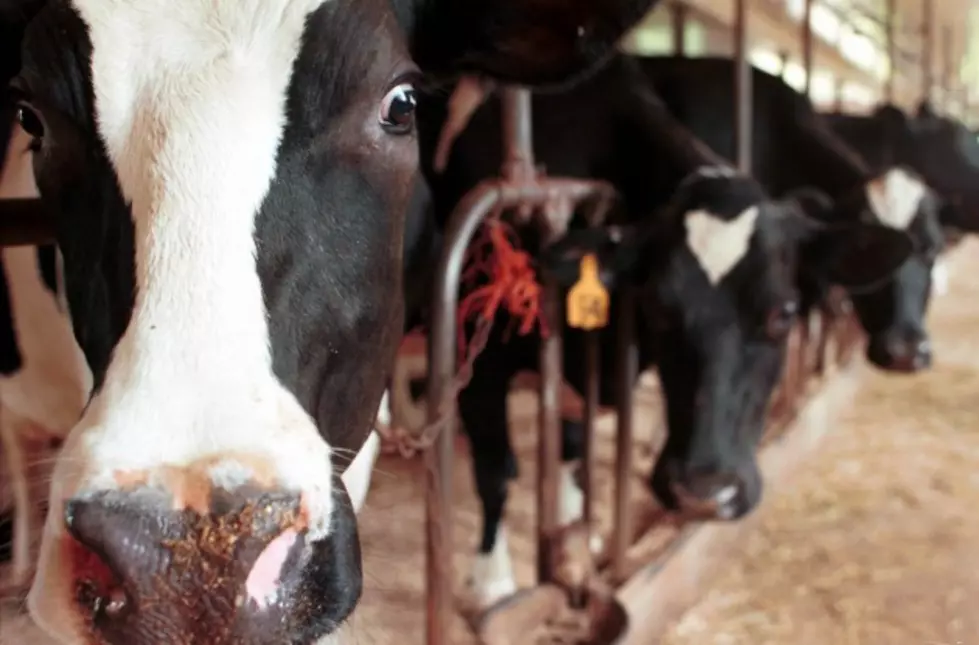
[(574, 599), (549, 203)]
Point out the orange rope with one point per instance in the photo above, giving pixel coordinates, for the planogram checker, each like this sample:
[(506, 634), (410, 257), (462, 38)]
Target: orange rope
[(494, 255)]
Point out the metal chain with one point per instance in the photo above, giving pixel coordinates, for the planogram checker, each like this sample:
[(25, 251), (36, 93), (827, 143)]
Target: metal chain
[(409, 444)]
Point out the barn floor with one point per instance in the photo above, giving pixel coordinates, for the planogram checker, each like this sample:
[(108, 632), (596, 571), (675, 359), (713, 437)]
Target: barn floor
[(872, 542)]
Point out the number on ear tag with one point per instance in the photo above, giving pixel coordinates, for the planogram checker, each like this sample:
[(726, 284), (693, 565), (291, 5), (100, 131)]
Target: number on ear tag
[(588, 299)]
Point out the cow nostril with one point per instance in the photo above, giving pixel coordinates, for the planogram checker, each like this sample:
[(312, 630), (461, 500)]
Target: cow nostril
[(714, 495)]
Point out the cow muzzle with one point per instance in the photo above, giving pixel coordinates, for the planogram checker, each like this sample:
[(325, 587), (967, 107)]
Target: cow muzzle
[(240, 570), (903, 352), (708, 493)]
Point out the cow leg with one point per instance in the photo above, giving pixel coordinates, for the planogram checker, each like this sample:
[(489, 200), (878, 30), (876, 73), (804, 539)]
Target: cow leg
[(482, 407), (571, 499)]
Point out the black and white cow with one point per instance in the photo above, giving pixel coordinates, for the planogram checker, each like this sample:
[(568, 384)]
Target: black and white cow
[(713, 259), (228, 181), (939, 148), (792, 148)]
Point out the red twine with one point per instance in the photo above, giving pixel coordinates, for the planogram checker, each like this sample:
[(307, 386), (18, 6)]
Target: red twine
[(494, 258)]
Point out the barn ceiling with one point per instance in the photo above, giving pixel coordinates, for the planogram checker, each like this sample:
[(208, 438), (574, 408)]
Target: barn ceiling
[(851, 43)]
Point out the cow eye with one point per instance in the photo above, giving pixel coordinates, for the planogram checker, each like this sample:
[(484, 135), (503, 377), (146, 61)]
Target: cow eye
[(29, 120), (397, 114), (781, 318)]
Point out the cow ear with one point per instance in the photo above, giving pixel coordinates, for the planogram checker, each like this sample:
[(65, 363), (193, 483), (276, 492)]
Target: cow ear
[(524, 42), (616, 248), (856, 256)]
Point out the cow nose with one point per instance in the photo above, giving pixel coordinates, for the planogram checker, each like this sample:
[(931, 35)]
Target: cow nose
[(229, 572), (712, 495), (911, 353)]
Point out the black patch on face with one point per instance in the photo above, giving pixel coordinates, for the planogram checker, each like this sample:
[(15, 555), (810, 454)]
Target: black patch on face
[(78, 184)]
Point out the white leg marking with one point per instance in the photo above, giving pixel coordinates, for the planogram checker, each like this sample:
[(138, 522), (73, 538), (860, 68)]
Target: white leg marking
[(491, 578), (190, 97), (894, 197), (571, 499), (719, 244), (357, 476), (939, 277)]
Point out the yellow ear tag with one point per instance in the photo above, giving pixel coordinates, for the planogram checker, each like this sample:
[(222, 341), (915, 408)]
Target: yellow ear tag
[(588, 300)]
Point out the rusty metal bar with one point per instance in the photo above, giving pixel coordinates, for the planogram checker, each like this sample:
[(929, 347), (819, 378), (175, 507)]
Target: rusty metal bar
[(889, 18), (517, 117), (464, 222), (592, 366), (927, 49), (948, 65), (807, 46), (627, 371), (549, 433), (678, 22), (24, 222), (742, 88)]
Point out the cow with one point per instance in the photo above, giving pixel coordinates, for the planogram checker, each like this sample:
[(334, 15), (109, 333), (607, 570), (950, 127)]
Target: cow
[(712, 259), (939, 148), (228, 180), (793, 148)]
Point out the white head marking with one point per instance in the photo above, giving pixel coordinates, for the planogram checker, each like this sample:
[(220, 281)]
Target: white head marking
[(190, 100), (719, 244), (894, 198)]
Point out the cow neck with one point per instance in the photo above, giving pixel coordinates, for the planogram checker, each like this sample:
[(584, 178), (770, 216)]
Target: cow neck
[(838, 170)]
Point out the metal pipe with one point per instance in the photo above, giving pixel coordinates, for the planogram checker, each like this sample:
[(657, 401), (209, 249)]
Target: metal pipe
[(807, 46), (678, 21), (465, 220), (549, 437), (627, 371), (889, 30), (742, 88), (948, 66), (518, 160), (927, 49), (592, 366)]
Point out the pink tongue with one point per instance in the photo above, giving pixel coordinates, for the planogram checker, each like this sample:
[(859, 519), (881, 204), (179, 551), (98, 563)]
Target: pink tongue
[(263, 581)]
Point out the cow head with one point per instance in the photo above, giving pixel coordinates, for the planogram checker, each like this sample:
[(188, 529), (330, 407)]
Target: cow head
[(893, 312), (714, 273), (943, 151), (228, 180)]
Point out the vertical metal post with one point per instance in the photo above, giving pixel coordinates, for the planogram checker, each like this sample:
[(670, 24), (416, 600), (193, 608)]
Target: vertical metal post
[(517, 117), (549, 435), (891, 51), (948, 65), (678, 22), (465, 220), (742, 88), (627, 371), (927, 49), (807, 46), (592, 367)]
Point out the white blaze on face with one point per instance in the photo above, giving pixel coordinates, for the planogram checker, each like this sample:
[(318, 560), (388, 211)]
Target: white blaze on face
[(894, 198), (719, 244), (190, 102)]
